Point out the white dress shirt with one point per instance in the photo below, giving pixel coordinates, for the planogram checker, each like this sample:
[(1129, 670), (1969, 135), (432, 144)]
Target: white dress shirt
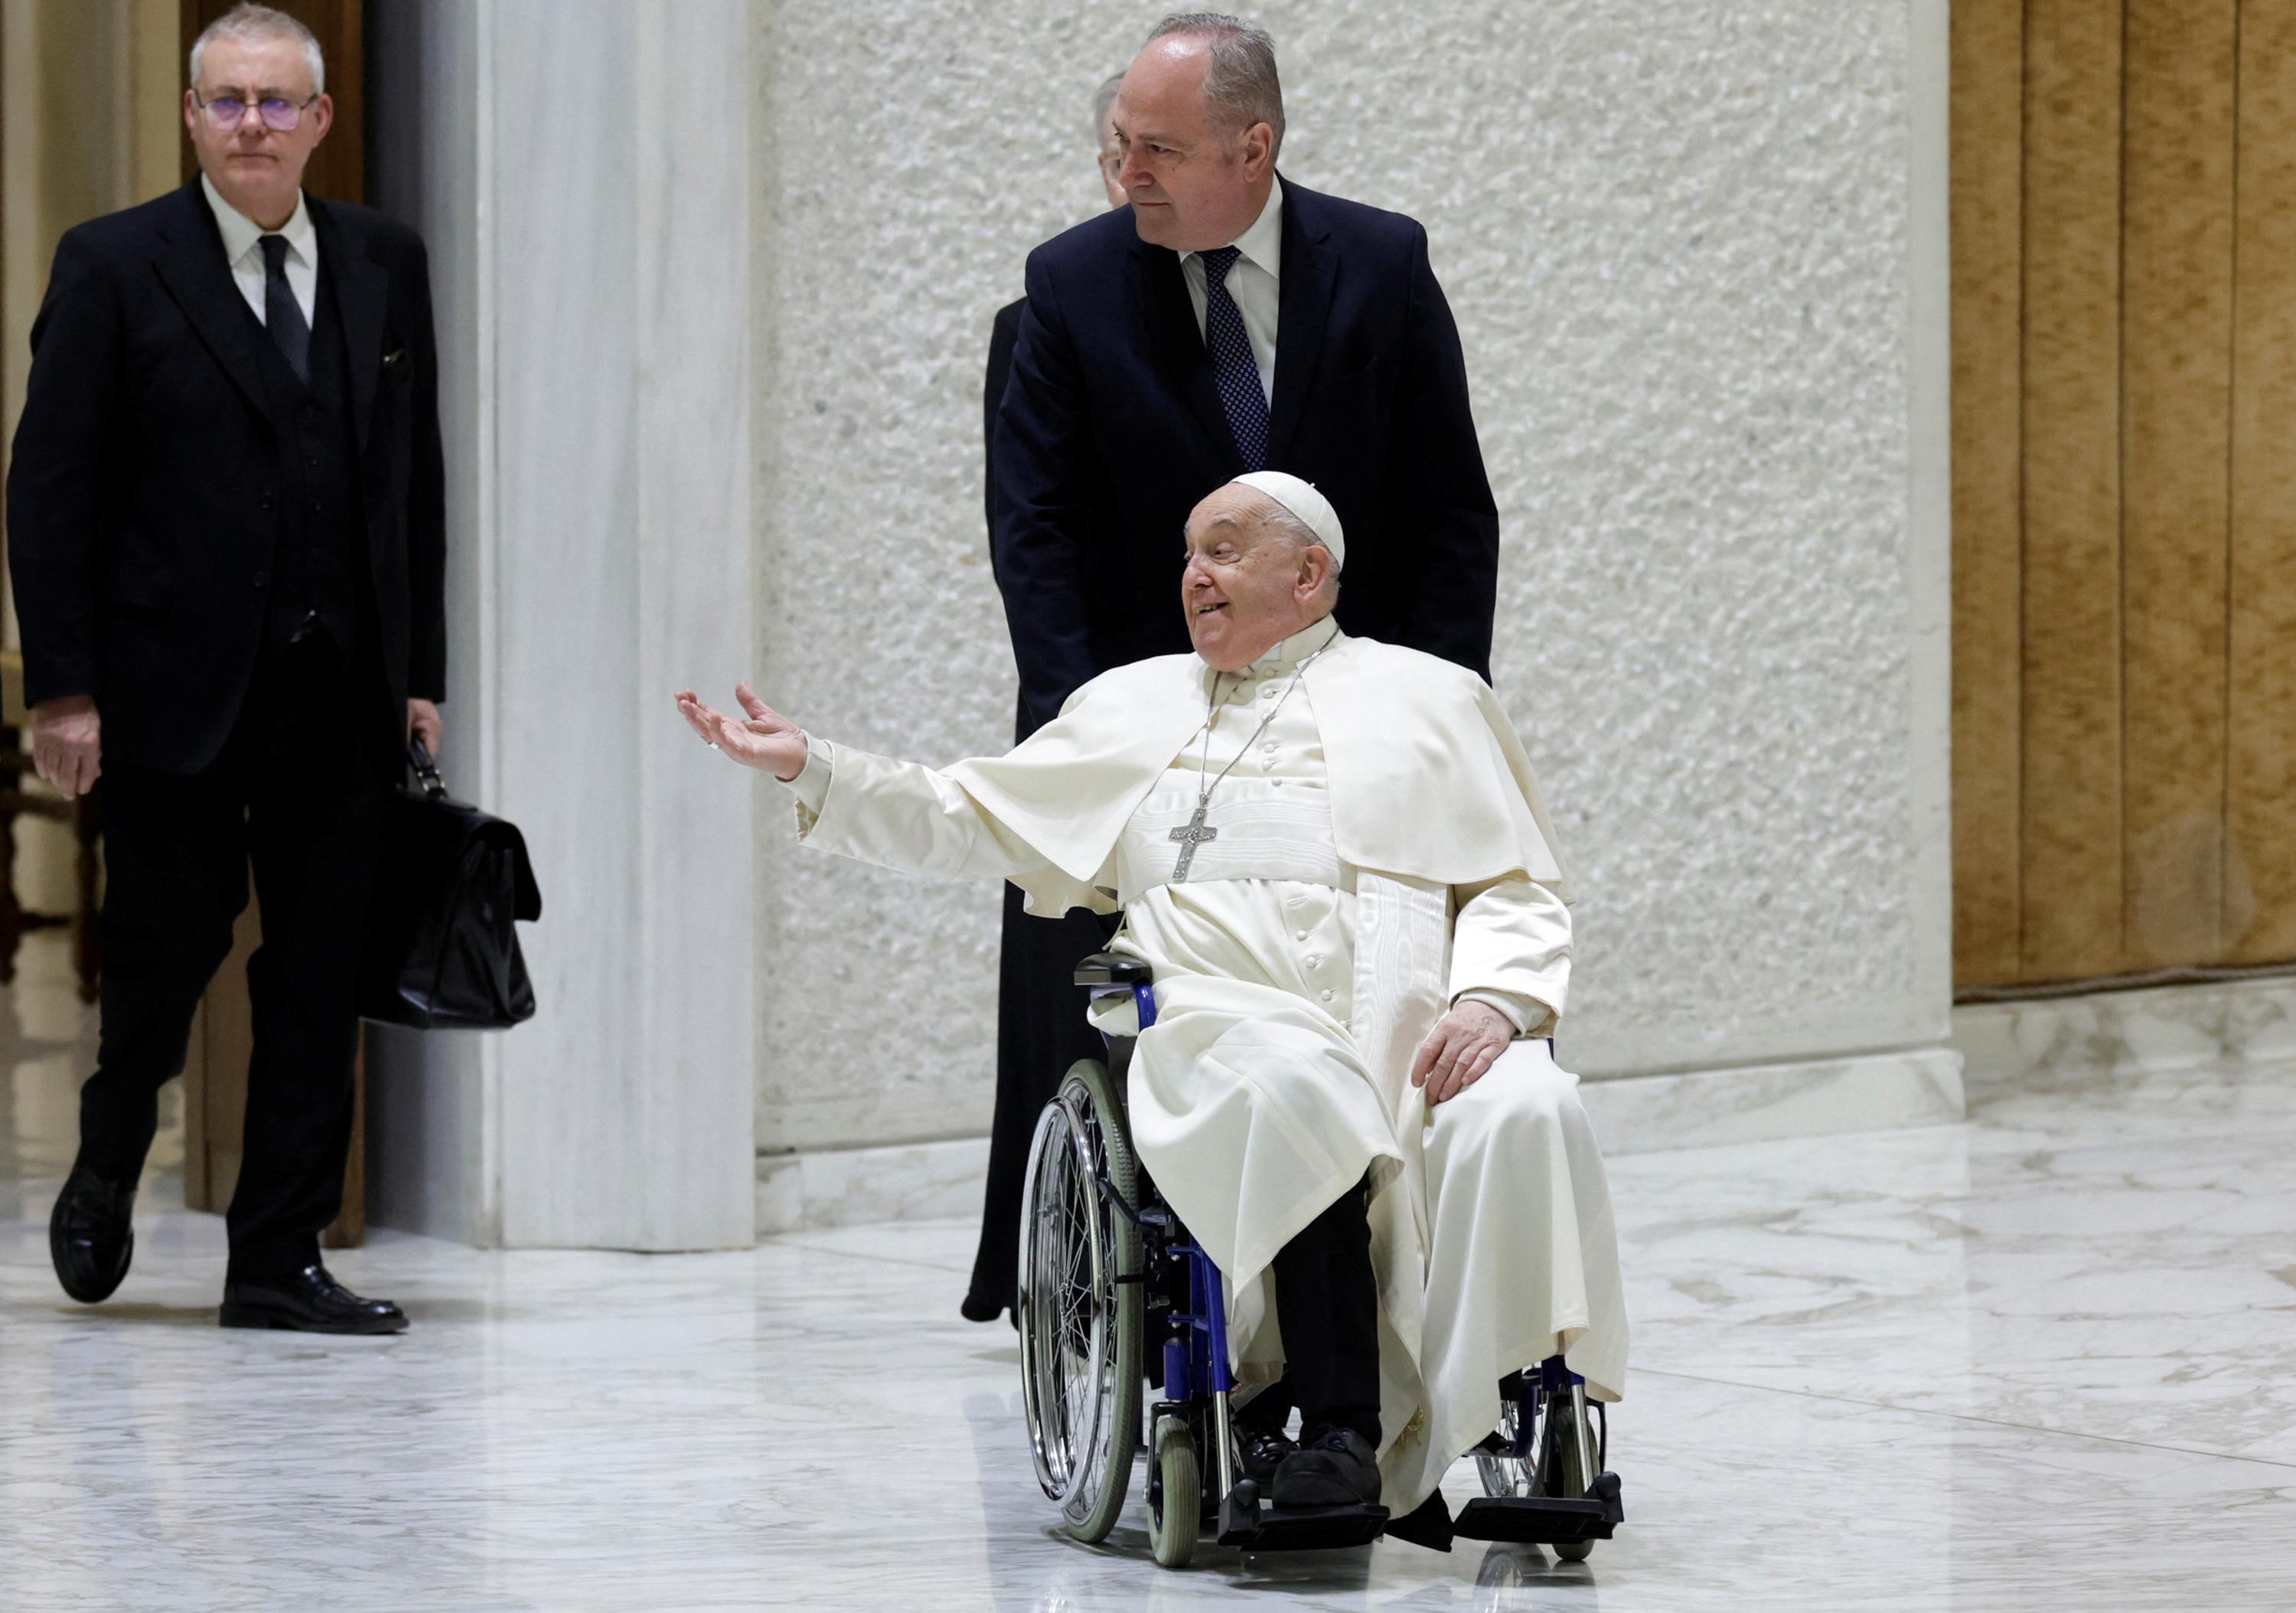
[(1254, 281), (240, 237)]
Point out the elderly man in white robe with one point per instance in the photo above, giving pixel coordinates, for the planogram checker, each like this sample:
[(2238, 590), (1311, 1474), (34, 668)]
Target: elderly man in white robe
[(1330, 852)]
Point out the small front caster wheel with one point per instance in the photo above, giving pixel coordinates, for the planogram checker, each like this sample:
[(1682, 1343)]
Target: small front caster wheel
[(1573, 1551), (1175, 1494)]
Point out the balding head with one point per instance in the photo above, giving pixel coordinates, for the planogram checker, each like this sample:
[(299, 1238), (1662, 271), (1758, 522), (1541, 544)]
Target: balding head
[(1197, 124)]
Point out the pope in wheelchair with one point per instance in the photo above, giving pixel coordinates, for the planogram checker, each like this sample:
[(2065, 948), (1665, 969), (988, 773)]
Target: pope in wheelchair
[(1338, 1171)]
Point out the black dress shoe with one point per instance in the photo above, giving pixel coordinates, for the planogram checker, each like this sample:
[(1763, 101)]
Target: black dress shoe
[(1264, 1451), (308, 1301), (90, 1236), (1339, 1469)]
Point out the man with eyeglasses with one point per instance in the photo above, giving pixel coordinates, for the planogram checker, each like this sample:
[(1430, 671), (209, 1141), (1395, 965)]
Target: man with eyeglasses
[(225, 525)]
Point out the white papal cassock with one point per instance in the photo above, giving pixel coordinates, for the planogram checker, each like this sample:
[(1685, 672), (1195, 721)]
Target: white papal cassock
[(1380, 854)]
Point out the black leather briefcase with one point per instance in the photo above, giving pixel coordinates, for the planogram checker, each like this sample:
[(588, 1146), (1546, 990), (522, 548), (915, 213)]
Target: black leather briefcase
[(441, 946)]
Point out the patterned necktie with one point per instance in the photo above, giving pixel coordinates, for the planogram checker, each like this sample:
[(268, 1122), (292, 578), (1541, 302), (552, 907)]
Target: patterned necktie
[(1236, 373), (282, 315)]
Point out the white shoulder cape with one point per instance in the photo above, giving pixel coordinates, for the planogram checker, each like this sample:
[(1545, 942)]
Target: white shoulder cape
[(1428, 778)]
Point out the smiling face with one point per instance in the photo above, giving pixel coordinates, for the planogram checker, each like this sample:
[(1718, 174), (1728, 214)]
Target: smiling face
[(1193, 184), (257, 168), (1247, 583)]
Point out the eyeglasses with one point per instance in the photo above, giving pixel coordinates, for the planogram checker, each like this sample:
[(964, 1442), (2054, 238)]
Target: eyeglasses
[(227, 112)]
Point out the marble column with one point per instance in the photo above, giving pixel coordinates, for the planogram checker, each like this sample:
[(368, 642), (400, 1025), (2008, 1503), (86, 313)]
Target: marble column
[(581, 171)]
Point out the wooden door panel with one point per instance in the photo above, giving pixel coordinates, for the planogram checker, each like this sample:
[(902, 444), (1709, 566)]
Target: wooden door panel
[(2071, 826), (2124, 487), (2176, 422), (1989, 70), (2259, 899)]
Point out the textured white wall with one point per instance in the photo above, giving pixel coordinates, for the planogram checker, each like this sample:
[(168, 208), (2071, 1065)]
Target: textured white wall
[(1676, 237)]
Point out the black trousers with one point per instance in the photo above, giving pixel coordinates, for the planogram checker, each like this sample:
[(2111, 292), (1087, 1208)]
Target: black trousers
[(1041, 1031), (300, 791), (1327, 1305)]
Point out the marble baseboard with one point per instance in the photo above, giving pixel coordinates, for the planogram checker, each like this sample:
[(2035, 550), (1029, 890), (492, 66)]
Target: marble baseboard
[(1763, 1103), (857, 1187), (2041, 1042), (1633, 1115)]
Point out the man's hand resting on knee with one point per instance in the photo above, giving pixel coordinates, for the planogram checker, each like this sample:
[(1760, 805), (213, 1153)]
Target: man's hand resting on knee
[(1458, 1051)]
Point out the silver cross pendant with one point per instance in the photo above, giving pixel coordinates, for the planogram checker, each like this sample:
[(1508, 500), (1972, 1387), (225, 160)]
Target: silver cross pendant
[(1188, 837)]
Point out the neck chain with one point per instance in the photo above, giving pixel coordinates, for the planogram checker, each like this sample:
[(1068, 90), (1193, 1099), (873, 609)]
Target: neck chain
[(1194, 833)]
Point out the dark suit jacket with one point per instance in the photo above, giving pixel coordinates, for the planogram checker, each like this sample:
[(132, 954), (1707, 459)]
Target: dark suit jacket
[(144, 491), (1004, 336), (1110, 432)]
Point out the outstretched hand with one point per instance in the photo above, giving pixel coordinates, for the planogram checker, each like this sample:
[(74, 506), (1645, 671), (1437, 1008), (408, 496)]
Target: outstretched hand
[(762, 739), (1459, 1049)]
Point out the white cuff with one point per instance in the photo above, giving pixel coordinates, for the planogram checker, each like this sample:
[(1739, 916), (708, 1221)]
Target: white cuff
[(1527, 1017), (811, 785)]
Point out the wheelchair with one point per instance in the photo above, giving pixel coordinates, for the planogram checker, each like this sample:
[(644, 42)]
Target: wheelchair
[(1114, 1299)]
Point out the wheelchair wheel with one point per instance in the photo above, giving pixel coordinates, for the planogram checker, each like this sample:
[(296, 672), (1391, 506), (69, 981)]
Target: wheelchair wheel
[(1175, 1494), (1080, 1325), (1565, 1451)]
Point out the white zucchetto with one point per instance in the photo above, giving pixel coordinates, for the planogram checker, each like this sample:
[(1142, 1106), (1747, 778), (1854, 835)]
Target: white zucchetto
[(1301, 498)]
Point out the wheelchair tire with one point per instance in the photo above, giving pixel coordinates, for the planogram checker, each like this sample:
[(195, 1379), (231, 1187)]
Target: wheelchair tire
[(1079, 1302), (1176, 1504)]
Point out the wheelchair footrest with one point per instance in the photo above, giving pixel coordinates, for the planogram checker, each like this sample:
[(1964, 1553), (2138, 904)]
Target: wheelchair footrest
[(1245, 1523), (1544, 1520)]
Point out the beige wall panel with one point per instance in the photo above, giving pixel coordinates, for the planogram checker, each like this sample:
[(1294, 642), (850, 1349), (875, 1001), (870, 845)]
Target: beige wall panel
[(2177, 295), (2070, 833), (2261, 806), (1987, 261)]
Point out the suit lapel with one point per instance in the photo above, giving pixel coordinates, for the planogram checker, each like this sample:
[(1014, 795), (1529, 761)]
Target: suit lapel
[(1162, 294), (362, 290), (1303, 307), (192, 266)]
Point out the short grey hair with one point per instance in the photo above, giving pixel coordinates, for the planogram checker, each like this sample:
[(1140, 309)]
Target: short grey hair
[(1301, 536), (1102, 99), (1240, 82), (248, 21)]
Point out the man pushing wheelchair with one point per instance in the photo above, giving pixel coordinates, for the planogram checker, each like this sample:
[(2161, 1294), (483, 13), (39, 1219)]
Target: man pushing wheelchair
[(1333, 865)]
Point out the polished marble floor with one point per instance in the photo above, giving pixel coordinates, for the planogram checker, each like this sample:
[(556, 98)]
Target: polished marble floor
[(2044, 1359)]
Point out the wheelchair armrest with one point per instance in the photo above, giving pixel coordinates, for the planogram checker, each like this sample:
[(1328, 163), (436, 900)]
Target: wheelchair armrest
[(1112, 969)]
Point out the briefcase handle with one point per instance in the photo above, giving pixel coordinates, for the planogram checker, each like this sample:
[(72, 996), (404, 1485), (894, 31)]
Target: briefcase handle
[(426, 771)]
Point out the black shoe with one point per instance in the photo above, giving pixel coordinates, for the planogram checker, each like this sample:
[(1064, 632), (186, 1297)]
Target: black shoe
[(308, 1301), (90, 1237), (1339, 1469), (1264, 1451)]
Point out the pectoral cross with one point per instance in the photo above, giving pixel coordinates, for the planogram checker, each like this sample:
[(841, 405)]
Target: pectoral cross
[(1188, 837)]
